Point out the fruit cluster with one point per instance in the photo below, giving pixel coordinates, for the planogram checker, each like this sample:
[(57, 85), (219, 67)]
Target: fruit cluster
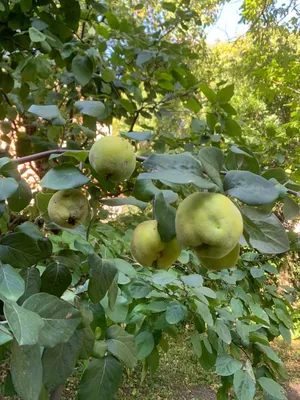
[(208, 223)]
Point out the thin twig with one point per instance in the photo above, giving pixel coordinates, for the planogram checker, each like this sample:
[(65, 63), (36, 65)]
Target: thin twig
[(135, 118), (6, 97)]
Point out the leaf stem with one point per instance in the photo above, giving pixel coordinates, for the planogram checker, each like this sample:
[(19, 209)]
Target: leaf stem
[(56, 393)]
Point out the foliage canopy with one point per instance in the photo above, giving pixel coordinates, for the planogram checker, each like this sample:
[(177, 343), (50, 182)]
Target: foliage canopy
[(199, 122)]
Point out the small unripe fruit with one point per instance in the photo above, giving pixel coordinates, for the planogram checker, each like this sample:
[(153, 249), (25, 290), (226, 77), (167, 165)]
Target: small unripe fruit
[(68, 208), (148, 248), (113, 158)]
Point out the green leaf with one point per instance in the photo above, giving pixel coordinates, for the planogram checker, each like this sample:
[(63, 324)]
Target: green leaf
[(226, 365), (198, 126), (5, 335), (269, 352), (144, 344), (242, 158), (264, 232), (291, 209), (244, 386), (25, 325), (284, 317), (138, 136), (122, 345), (19, 250), (108, 75), (78, 155), (222, 393), (12, 286), (42, 201), (163, 277), (59, 362), (101, 379), (59, 317), (100, 349), (166, 85), (113, 291), (232, 128), (193, 280), (144, 190), (25, 5), (157, 306), (175, 312), (211, 121), (208, 92), (32, 282), (50, 113), (27, 371), (196, 343), (120, 311), (94, 109), (168, 6), (212, 160), (9, 168), (6, 83), (128, 105), (225, 94), (82, 69), (193, 105), (64, 176), (56, 279), (285, 333), (257, 272), (144, 56), (30, 229), (124, 267), (208, 358), (180, 168), (139, 289), (102, 273), (277, 173), (112, 20), (223, 331), (21, 198), (250, 188), (204, 312), (165, 217), (152, 361), (8, 186), (121, 201), (87, 343), (272, 388), (237, 307), (35, 35)]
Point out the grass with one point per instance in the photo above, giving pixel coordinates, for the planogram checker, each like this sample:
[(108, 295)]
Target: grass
[(180, 376)]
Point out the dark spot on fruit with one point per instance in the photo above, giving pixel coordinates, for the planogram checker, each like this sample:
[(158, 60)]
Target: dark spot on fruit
[(72, 221)]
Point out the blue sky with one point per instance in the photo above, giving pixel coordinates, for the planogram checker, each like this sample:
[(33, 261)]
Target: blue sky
[(227, 25)]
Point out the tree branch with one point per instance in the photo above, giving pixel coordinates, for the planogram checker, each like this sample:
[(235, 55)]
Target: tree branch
[(45, 154)]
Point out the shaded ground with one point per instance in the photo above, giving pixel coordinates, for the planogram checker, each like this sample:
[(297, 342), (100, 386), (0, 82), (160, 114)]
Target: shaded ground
[(180, 377), (291, 357)]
